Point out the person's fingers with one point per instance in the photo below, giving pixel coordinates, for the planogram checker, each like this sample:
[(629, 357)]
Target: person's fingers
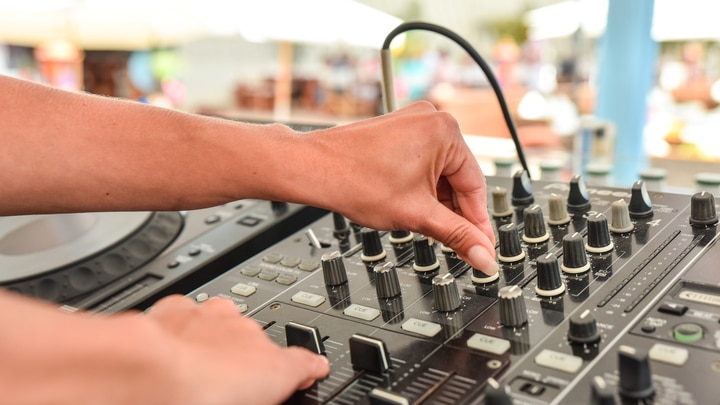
[(172, 303), (305, 367)]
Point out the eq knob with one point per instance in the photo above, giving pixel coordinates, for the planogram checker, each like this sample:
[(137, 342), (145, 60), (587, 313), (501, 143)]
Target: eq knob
[(501, 208), (387, 284), (620, 217), (549, 282), (522, 193), (635, 375), (372, 248), (510, 246), (534, 231), (425, 259), (445, 291), (333, 268), (578, 199), (574, 257), (583, 328), (598, 234), (398, 237), (558, 210), (512, 306), (702, 210), (640, 204)]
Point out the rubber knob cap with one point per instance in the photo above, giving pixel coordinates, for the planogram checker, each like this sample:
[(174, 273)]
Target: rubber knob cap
[(578, 199), (522, 193), (702, 209)]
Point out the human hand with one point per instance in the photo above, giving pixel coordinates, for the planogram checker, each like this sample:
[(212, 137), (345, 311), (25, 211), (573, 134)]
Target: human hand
[(410, 170), (222, 357)]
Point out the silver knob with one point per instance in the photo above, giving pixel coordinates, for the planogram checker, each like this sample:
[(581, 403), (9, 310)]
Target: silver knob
[(512, 306), (333, 268), (445, 290)]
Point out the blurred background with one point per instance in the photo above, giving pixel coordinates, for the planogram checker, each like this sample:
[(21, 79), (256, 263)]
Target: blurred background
[(615, 90)]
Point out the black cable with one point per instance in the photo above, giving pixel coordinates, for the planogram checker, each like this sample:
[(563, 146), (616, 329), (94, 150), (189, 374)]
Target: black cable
[(418, 25)]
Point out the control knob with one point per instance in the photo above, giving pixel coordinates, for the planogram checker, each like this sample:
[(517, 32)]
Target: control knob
[(425, 258), (372, 248), (445, 291), (341, 229), (578, 197), (620, 217), (522, 193), (512, 306), (702, 209), (398, 237), (535, 231), (598, 234), (496, 393), (501, 208), (558, 210), (635, 375), (640, 204), (333, 268), (387, 284), (574, 257), (583, 328), (600, 392), (510, 246), (549, 282)]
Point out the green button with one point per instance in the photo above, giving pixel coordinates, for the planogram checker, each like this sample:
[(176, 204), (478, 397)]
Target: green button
[(688, 333)]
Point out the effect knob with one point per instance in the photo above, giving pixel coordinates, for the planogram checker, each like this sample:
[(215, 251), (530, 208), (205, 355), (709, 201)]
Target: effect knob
[(510, 245), (702, 210), (535, 231), (578, 197), (574, 257), (333, 268), (600, 392), (583, 328), (445, 290), (501, 208), (512, 306), (549, 282), (598, 234), (387, 284), (372, 248), (522, 193), (397, 237), (620, 218), (635, 375), (640, 204), (425, 258), (558, 210)]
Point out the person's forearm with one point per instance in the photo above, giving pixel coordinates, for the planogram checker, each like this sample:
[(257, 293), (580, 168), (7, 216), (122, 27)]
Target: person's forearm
[(94, 153)]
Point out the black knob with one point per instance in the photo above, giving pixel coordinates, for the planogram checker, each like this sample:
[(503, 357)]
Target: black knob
[(387, 284), (510, 246), (369, 353), (501, 208), (373, 249), (640, 204), (702, 209), (445, 291), (512, 306), (496, 393), (522, 193), (333, 267), (583, 328), (578, 197), (574, 257), (425, 258), (635, 375), (600, 392), (478, 277), (398, 237), (598, 234), (549, 282), (305, 336), (341, 229), (534, 231), (558, 210), (620, 217), (279, 207)]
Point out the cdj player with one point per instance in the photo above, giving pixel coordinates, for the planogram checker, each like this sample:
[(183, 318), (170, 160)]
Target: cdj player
[(604, 296)]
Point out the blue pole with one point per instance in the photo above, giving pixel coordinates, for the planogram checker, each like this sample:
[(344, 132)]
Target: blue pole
[(628, 58)]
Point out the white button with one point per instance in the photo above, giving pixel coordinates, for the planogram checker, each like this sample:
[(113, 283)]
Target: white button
[(668, 354), (202, 297), (307, 298), (424, 328), (243, 289), (361, 312), (488, 344), (559, 361), (242, 308)]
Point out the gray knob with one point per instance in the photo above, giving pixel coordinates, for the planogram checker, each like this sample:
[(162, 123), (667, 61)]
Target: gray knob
[(501, 208), (387, 284), (620, 217), (558, 210), (333, 268), (534, 231), (702, 210), (512, 306), (445, 290)]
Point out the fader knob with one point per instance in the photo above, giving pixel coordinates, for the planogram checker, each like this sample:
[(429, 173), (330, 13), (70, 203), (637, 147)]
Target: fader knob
[(620, 217), (574, 257), (510, 247), (372, 248), (583, 328), (501, 208), (387, 284), (578, 199), (702, 209), (400, 237), (512, 306), (425, 258), (445, 291), (535, 231), (558, 210), (369, 353), (635, 375), (640, 204), (600, 392), (598, 234), (305, 336), (522, 193), (549, 282), (333, 268)]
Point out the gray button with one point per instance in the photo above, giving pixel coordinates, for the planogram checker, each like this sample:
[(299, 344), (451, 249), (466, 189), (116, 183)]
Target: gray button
[(488, 344), (421, 327), (286, 279), (361, 312), (268, 274), (307, 298), (243, 290)]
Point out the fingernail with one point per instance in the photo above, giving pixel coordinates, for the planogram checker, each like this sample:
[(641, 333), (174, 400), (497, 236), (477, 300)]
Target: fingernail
[(481, 260)]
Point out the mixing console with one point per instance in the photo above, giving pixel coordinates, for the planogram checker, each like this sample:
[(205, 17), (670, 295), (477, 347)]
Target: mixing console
[(604, 296)]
